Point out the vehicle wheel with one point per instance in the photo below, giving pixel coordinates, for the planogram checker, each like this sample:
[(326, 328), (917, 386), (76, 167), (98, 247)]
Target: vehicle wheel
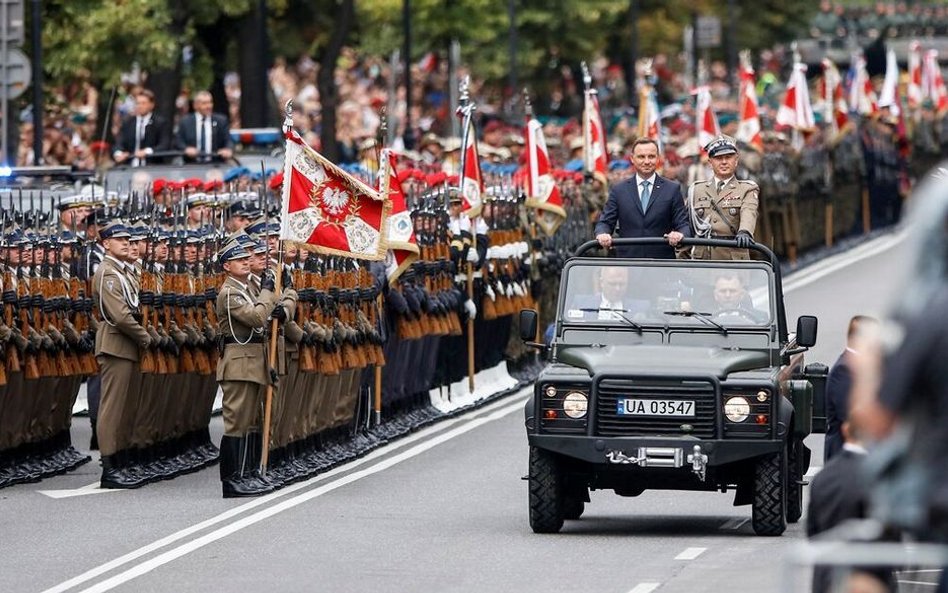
[(795, 482), (769, 513), (546, 492)]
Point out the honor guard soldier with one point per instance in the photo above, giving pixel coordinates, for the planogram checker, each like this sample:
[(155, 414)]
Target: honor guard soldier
[(243, 370), (119, 341), (723, 207)]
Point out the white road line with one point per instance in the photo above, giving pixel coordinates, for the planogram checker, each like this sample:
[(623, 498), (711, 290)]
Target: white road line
[(497, 411), (734, 524), (644, 588), (918, 583), (919, 571), (83, 491), (833, 264), (690, 553)]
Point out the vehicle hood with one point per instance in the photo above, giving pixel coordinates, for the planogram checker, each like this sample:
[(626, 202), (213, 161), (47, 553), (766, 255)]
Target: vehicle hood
[(678, 361)]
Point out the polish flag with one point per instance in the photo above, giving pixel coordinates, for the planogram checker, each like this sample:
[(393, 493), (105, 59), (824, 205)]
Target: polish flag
[(399, 228), (933, 84), (889, 94), (914, 87), (542, 191), (650, 123), (595, 155), (471, 180), (862, 97), (706, 121), (748, 127), (835, 109), (796, 111), (327, 210)]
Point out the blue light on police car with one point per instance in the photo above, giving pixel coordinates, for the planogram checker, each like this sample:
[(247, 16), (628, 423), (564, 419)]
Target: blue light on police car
[(6, 171)]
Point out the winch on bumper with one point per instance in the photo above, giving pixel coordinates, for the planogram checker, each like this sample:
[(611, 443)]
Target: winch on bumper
[(691, 454)]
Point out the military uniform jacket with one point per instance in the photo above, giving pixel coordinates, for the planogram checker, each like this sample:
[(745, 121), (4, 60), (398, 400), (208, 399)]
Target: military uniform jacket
[(241, 318), (721, 215), (120, 334)]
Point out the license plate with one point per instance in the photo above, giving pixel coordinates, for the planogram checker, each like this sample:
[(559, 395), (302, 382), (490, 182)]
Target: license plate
[(656, 407)]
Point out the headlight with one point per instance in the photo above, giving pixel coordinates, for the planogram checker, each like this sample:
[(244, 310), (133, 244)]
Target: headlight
[(762, 395), (575, 404), (737, 409), (550, 391)]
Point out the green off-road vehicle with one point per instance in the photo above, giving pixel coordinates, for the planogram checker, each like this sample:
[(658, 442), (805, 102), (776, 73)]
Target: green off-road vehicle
[(673, 375)]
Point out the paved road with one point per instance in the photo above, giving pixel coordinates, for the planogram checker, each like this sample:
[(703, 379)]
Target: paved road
[(444, 510)]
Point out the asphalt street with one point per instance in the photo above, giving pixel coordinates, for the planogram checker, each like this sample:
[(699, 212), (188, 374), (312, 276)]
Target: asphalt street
[(442, 510)]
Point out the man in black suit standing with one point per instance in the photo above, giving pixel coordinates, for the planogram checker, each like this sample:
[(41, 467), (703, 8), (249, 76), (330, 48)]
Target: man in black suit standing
[(838, 384), (142, 134), (645, 205), (204, 135)]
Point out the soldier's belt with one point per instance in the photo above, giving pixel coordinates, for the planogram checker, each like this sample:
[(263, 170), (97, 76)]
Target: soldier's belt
[(253, 340)]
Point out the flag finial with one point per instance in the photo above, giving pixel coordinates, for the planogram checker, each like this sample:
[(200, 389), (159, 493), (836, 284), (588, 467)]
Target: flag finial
[(288, 112)]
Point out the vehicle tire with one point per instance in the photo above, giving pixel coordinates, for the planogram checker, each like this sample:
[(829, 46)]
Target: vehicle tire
[(546, 492), (795, 482), (769, 509)]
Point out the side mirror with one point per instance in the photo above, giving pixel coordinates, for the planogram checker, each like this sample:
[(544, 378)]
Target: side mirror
[(528, 325), (806, 331)]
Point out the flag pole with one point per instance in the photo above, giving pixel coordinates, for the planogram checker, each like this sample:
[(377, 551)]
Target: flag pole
[(274, 324), (383, 160), (466, 110)]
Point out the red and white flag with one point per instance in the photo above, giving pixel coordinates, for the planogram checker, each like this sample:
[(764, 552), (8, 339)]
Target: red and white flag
[(796, 111), (913, 91), (706, 122), (650, 122), (748, 127), (327, 210), (889, 94), (470, 179), (595, 154), (542, 191), (862, 97), (399, 227), (933, 84), (835, 109)]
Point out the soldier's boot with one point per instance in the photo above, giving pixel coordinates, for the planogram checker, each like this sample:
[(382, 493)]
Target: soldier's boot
[(256, 442), (76, 458), (210, 452), (234, 468), (114, 475)]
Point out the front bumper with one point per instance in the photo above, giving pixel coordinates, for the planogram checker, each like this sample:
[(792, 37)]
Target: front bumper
[(618, 451)]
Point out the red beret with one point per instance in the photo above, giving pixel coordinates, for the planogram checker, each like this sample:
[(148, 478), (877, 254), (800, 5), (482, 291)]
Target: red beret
[(213, 185), (158, 186), (433, 179), (276, 181), (193, 183)]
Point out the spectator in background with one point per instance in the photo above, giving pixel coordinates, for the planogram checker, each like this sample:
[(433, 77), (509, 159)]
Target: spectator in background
[(838, 385), (143, 133), (204, 135)]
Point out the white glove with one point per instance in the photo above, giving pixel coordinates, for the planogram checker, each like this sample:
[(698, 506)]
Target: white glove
[(518, 290), (490, 292), (510, 291), (470, 308), (472, 256)]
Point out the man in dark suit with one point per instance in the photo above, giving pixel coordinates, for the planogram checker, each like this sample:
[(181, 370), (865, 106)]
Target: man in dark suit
[(142, 134), (645, 205), (204, 135), (838, 384), (613, 295)]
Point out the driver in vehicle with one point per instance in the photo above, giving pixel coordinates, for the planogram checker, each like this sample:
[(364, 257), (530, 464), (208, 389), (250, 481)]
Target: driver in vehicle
[(611, 302), (731, 301)]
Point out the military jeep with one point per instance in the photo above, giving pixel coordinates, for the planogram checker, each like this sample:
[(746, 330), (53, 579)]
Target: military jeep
[(672, 375)]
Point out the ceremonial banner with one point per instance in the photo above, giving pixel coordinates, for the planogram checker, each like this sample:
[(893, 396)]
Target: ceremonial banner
[(595, 153), (650, 123), (933, 84), (542, 191), (835, 109), (862, 97), (399, 227), (748, 127), (888, 95), (796, 111), (471, 180), (706, 121), (913, 89), (327, 210)]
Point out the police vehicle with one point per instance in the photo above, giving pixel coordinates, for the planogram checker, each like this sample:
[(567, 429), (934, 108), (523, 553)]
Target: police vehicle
[(672, 375)]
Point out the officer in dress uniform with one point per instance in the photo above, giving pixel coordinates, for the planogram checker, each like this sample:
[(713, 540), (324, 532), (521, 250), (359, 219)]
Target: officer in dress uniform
[(723, 207), (243, 371), (119, 342)]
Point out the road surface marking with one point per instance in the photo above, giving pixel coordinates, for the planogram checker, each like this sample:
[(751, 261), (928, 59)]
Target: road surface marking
[(481, 417), (734, 524), (644, 588), (690, 553), (919, 583), (84, 491), (834, 263)]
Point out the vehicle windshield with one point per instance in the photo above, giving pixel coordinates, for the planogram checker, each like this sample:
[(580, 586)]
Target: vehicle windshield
[(714, 296)]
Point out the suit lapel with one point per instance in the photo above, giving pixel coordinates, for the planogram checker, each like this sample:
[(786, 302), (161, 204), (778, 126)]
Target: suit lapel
[(635, 195), (655, 191)]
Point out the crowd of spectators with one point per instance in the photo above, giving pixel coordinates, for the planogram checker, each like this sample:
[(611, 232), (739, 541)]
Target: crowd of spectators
[(839, 21)]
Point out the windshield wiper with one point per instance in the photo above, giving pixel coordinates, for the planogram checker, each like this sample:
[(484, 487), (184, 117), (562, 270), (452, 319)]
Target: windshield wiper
[(618, 313), (705, 317)]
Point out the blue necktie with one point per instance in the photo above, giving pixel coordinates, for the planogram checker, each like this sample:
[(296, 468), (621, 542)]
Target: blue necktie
[(200, 145), (644, 195)]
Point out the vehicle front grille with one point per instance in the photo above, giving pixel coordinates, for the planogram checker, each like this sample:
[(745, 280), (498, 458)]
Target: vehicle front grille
[(610, 423)]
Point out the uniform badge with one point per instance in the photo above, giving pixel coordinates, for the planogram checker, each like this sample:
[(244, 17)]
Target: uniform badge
[(239, 300), (700, 211), (110, 284), (733, 211)]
